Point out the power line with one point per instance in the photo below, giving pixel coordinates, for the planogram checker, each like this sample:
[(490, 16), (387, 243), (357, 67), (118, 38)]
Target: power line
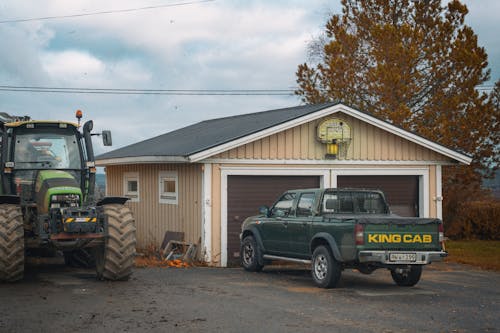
[(104, 12), (176, 92)]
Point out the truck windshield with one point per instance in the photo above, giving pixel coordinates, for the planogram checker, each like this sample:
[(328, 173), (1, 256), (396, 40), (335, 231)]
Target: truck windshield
[(353, 203), (45, 150)]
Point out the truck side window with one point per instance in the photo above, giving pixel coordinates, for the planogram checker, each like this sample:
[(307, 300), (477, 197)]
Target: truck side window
[(284, 205), (304, 207)]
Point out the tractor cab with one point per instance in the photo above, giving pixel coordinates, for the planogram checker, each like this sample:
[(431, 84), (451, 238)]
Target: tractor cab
[(41, 151)]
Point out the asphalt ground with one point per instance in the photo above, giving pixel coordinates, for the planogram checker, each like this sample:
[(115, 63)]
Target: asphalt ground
[(56, 298)]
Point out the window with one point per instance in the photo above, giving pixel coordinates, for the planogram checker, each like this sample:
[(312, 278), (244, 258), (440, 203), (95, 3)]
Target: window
[(283, 206), (362, 202), (304, 207), (131, 186), (169, 187)]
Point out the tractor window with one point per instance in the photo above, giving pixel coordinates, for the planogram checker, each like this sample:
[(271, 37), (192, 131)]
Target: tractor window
[(39, 150)]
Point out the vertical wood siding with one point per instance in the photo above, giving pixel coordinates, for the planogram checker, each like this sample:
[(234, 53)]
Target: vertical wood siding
[(153, 218), (299, 143)]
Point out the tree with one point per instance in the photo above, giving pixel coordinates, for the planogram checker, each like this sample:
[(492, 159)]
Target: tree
[(417, 65)]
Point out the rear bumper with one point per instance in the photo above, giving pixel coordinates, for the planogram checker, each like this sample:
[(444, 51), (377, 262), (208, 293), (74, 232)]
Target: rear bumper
[(383, 257)]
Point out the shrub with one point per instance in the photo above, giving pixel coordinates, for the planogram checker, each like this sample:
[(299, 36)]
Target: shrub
[(475, 220)]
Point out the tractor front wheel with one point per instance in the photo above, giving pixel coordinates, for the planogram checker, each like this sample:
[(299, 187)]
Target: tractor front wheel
[(115, 258), (11, 243)]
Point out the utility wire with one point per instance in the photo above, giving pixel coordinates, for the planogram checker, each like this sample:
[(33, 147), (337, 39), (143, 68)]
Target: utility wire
[(103, 12), (178, 92), (174, 92)]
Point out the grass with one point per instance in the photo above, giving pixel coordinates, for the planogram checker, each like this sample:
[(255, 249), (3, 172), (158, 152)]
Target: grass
[(482, 254)]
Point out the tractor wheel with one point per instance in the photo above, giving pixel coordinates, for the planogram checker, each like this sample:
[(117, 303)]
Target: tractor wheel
[(115, 258), (11, 243)]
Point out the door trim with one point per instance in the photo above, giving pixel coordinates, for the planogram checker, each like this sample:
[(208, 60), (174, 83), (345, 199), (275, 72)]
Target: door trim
[(423, 181)]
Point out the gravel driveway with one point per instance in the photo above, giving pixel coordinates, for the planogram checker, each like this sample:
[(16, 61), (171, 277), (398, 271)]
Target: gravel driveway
[(54, 298)]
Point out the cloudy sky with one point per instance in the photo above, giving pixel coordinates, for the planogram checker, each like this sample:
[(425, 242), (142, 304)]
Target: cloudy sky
[(173, 44)]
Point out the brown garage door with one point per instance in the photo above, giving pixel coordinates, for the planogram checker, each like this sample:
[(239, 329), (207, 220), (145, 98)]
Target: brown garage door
[(401, 192), (245, 194)]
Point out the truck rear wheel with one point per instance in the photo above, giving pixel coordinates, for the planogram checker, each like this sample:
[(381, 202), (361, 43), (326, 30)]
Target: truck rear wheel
[(115, 258), (250, 255), (11, 243), (407, 277), (325, 269)]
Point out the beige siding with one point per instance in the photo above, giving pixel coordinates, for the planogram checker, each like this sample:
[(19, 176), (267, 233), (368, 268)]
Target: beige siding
[(153, 218), (299, 143)]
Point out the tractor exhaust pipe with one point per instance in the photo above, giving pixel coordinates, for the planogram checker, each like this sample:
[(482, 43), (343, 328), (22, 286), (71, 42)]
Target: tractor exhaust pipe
[(87, 128)]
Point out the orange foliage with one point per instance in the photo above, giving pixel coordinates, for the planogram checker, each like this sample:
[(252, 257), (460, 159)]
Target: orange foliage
[(476, 220), (151, 257)]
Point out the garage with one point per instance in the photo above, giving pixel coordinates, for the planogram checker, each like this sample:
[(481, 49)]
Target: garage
[(245, 194), (220, 171), (401, 191)]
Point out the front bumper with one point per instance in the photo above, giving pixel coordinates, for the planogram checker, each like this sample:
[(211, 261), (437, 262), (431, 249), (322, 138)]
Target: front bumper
[(384, 257)]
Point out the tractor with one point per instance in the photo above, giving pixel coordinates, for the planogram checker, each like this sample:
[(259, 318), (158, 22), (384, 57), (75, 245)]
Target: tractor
[(48, 201)]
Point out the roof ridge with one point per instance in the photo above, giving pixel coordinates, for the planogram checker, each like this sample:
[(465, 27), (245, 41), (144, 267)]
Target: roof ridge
[(267, 111)]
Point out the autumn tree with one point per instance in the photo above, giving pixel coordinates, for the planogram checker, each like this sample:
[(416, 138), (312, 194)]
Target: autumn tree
[(417, 65)]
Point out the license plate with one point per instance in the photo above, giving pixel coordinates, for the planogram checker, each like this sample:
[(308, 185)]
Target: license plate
[(407, 257)]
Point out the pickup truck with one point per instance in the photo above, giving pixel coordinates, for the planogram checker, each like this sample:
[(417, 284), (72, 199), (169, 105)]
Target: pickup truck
[(333, 229)]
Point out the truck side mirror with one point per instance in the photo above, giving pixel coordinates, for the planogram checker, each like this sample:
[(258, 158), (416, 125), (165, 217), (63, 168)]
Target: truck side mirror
[(264, 210), (106, 138)]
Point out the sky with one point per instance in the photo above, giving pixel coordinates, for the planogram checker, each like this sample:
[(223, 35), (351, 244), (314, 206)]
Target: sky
[(171, 44)]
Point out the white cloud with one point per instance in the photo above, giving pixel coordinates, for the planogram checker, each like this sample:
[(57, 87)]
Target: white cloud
[(71, 65)]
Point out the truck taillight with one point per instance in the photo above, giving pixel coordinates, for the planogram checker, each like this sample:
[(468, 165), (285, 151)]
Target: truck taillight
[(441, 233), (359, 234)]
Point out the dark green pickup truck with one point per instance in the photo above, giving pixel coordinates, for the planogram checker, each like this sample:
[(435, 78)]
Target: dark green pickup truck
[(333, 229)]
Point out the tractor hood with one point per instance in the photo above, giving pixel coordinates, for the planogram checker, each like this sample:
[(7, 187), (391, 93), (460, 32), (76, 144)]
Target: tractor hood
[(52, 184)]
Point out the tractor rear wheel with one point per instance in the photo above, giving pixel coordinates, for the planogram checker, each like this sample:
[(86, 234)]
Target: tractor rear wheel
[(115, 258), (11, 243)]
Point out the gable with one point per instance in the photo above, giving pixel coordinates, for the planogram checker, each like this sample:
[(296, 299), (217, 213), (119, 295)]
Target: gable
[(369, 143)]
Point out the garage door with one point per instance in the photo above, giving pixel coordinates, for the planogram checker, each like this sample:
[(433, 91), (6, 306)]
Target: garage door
[(401, 192), (245, 194)]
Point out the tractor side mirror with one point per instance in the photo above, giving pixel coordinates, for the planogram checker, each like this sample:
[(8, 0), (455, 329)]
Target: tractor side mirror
[(106, 138)]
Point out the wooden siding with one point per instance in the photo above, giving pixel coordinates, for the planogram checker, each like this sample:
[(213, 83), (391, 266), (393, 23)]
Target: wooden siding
[(299, 143), (153, 218)]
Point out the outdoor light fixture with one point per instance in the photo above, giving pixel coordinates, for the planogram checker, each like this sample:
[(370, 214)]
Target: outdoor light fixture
[(332, 149)]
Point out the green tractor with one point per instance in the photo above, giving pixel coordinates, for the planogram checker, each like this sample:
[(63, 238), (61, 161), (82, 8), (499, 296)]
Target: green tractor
[(48, 201)]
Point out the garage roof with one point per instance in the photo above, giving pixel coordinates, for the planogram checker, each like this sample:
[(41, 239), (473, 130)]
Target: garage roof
[(207, 138)]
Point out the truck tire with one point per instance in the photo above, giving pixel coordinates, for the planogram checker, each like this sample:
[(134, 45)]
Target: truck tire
[(250, 254), (325, 269), (11, 243), (115, 258), (407, 278)]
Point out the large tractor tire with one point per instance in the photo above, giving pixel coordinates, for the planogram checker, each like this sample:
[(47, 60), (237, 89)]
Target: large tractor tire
[(11, 243), (115, 258)]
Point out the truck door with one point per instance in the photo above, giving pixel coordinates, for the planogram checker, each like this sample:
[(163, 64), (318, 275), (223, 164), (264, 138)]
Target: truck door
[(274, 229), (299, 226)]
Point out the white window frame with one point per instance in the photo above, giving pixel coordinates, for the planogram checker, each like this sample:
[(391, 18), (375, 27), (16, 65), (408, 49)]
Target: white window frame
[(171, 198), (131, 176)]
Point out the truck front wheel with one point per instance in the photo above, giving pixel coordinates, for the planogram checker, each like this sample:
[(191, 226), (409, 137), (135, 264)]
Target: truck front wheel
[(11, 243), (407, 277), (115, 258), (250, 254), (325, 269)]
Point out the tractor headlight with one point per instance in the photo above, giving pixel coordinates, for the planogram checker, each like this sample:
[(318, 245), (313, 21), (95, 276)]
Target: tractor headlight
[(65, 200)]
